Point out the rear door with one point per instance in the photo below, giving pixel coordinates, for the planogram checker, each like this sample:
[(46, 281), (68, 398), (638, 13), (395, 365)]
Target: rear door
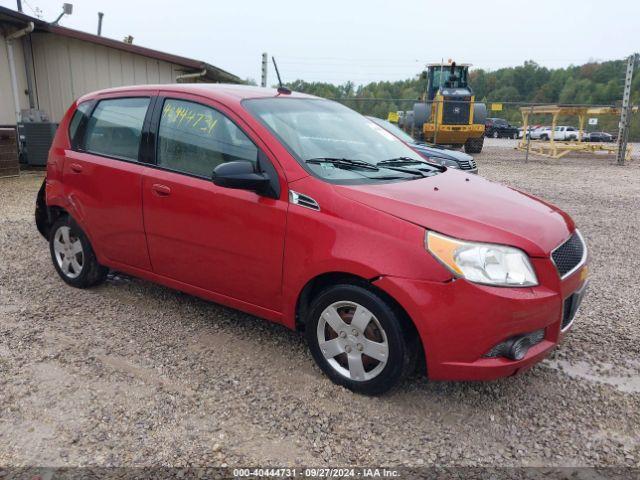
[(103, 178), (225, 241)]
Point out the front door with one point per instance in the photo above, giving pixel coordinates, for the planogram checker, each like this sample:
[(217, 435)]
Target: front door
[(226, 241)]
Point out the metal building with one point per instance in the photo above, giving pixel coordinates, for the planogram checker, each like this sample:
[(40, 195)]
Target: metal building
[(44, 67)]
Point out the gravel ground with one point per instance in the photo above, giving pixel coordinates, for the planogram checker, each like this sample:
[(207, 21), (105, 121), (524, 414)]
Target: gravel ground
[(134, 374)]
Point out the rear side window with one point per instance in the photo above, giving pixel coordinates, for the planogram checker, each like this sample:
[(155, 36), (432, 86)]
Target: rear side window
[(195, 139), (79, 115), (115, 127)]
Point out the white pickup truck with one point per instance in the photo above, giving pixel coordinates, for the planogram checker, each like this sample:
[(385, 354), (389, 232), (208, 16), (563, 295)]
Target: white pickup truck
[(561, 133)]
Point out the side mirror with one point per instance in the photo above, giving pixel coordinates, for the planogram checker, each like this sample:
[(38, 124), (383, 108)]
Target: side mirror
[(241, 175)]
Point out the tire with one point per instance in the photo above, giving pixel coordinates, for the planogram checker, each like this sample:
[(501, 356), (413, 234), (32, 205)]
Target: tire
[(330, 324), (68, 241), (495, 134), (544, 137), (474, 145), (515, 136)]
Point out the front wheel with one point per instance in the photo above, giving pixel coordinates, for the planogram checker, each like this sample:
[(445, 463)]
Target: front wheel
[(360, 340), (495, 134), (515, 136), (72, 255)]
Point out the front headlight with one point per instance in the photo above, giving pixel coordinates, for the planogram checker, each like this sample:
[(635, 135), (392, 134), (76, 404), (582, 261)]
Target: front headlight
[(485, 263)]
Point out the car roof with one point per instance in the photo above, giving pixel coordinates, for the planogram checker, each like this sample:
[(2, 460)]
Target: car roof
[(227, 91)]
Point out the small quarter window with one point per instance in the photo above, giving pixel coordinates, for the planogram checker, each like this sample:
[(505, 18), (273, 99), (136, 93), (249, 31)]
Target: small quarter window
[(78, 116), (195, 139), (115, 127)]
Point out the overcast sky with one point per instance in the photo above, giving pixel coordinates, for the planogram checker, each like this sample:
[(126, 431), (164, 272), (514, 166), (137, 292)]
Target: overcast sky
[(363, 40)]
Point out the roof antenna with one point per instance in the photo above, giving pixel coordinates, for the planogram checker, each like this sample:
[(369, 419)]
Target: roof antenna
[(281, 88)]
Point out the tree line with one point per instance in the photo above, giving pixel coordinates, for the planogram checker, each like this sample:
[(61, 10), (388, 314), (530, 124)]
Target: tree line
[(594, 83)]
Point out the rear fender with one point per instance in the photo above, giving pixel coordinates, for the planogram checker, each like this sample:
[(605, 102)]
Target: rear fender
[(51, 203), (42, 213)]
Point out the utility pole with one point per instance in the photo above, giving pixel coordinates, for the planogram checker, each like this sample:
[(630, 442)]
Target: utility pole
[(265, 62), (625, 114), (19, 5)]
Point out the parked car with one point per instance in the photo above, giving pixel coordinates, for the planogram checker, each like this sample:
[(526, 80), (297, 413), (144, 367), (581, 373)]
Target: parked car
[(431, 152), (499, 128), (560, 133), (530, 129), (599, 137), (301, 211), (541, 133)]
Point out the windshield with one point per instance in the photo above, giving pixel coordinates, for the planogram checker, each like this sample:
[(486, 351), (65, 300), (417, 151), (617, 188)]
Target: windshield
[(316, 129), (442, 77), (390, 127)]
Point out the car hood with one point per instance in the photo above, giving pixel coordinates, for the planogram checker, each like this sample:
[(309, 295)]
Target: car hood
[(436, 152), (470, 208)]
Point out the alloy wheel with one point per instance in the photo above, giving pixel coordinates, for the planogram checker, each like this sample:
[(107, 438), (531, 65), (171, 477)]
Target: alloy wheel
[(68, 252), (352, 341)]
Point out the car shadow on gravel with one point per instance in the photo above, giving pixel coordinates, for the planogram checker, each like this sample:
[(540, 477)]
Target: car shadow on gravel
[(214, 349), (283, 356)]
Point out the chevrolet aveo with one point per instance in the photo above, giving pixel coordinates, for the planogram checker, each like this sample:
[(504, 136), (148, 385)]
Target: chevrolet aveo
[(303, 212)]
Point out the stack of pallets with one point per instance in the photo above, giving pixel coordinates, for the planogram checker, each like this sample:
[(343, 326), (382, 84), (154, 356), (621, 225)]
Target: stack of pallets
[(9, 166)]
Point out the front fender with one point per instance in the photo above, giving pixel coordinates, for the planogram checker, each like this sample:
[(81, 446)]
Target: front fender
[(349, 237)]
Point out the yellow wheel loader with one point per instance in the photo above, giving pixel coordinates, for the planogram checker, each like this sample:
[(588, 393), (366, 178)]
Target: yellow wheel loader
[(448, 114)]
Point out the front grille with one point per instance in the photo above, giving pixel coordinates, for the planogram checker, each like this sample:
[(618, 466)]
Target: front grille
[(467, 164), (456, 110), (568, 256)]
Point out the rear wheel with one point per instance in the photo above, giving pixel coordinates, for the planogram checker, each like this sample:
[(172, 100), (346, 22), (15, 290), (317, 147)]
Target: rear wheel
[(495, 134), (359, 340), (72, 255), (515, 136), (474, 145)]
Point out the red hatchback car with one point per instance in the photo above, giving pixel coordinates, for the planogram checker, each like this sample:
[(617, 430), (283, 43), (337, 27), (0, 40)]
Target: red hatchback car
[(301, 211)]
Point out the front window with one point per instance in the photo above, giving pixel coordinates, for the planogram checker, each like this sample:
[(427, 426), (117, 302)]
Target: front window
[(315, 129), (195, 139), (442, 77)]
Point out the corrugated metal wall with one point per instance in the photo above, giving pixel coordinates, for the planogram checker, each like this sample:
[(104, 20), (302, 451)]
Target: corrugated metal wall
[(7, 107), (66, 68)]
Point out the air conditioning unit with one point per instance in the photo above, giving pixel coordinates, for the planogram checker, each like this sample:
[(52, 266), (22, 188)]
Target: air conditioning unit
[(36, 134)]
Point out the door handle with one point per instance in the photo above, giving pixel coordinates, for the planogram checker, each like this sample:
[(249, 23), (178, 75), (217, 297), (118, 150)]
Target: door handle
[(76, 168), (161, 190)]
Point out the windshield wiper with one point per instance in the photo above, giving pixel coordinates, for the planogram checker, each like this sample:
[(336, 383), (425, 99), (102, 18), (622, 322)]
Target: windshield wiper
[(396, 164), (401, 161), (344, 163)]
